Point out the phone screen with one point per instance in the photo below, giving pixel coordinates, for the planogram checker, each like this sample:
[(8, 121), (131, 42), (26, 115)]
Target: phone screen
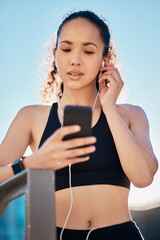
[(78, 115)]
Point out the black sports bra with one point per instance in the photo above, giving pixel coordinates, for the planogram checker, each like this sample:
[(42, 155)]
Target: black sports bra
[(103, 167)]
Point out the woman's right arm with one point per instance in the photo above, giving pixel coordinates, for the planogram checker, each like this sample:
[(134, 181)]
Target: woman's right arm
[(15, 143), (54, 152)]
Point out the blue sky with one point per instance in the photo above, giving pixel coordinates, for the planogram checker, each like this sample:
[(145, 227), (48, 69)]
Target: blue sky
[(135, 27)]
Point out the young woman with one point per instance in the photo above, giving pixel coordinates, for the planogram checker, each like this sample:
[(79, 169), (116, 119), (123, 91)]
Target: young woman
[(119, 151)]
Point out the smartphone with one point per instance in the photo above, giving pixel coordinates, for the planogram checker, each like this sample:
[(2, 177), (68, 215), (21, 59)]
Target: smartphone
[(78, 115)]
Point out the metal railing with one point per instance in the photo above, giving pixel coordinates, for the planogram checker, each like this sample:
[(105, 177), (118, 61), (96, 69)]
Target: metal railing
[(148, 220), (38, 188)]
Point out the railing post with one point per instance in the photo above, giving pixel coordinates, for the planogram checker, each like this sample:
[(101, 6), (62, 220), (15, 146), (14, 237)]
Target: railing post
[(40, 205), (38, 187)]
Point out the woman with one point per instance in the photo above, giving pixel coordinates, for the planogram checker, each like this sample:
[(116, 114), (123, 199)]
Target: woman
[(119, 151)]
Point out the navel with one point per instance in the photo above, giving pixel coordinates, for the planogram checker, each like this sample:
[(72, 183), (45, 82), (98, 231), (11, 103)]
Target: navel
[(89, 223)]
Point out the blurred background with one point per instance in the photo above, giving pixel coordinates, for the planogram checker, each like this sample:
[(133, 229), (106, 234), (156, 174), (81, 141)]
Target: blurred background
[(26, 27)]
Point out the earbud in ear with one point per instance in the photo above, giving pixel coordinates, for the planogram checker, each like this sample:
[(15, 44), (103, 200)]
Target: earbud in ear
[(102, 63)]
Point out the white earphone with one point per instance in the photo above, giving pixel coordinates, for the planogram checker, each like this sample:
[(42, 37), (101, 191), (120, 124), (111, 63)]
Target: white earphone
[(102, 63)]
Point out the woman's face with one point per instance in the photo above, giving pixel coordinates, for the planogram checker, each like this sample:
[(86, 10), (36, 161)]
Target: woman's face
[(79, 53)]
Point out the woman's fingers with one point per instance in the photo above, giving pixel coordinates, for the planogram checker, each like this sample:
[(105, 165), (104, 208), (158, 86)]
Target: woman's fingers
[(111, 78), (60, 152), (78, 142), (108, 73), (58, 136), (66, 130), (76, 152), (72, 156), (111, 71)]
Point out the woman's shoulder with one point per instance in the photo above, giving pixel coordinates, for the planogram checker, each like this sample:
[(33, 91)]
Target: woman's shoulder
[(133, 113), (29, 116), (34, 108), (31, 111), (129, 108), (33, 119)]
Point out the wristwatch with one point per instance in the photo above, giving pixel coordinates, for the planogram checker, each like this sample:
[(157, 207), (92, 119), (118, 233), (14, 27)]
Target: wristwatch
[(18, 166)]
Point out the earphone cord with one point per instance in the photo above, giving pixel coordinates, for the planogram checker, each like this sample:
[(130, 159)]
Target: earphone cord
[(70, 185)]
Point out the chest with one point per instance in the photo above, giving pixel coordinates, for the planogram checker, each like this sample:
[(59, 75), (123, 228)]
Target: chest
[(40, 122)]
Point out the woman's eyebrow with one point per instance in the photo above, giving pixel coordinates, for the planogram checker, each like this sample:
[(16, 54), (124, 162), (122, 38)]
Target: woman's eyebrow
[(84, 44), (66, 41), (89, 43)]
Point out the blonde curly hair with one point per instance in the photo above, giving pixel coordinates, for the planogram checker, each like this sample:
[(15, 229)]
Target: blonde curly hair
[(48, 91)]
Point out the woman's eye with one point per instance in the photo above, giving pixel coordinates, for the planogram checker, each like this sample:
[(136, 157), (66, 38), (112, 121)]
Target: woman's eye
[(66, 50), (88, 52)]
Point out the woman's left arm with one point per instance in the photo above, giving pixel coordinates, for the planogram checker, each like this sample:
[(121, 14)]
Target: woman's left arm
[(133, 144)]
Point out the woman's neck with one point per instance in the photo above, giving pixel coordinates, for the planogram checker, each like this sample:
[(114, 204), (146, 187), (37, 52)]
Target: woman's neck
[(79, 97)]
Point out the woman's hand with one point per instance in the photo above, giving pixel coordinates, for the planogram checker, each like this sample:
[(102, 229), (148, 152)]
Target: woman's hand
[(56, 153), (110, 85)]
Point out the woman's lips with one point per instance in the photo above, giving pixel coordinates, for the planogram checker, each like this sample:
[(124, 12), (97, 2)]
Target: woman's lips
[(75, 75)]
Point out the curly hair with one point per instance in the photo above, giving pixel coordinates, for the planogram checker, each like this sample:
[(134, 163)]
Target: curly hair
[(49, 88)]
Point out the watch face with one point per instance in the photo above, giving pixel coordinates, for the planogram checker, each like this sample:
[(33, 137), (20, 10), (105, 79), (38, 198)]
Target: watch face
[(17, 161), (17, 166)]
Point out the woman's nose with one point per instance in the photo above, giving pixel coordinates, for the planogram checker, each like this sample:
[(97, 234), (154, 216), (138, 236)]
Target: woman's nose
[(75, 61)]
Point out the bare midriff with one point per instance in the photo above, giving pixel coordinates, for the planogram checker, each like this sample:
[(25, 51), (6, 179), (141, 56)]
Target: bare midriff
[(94, 206)]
